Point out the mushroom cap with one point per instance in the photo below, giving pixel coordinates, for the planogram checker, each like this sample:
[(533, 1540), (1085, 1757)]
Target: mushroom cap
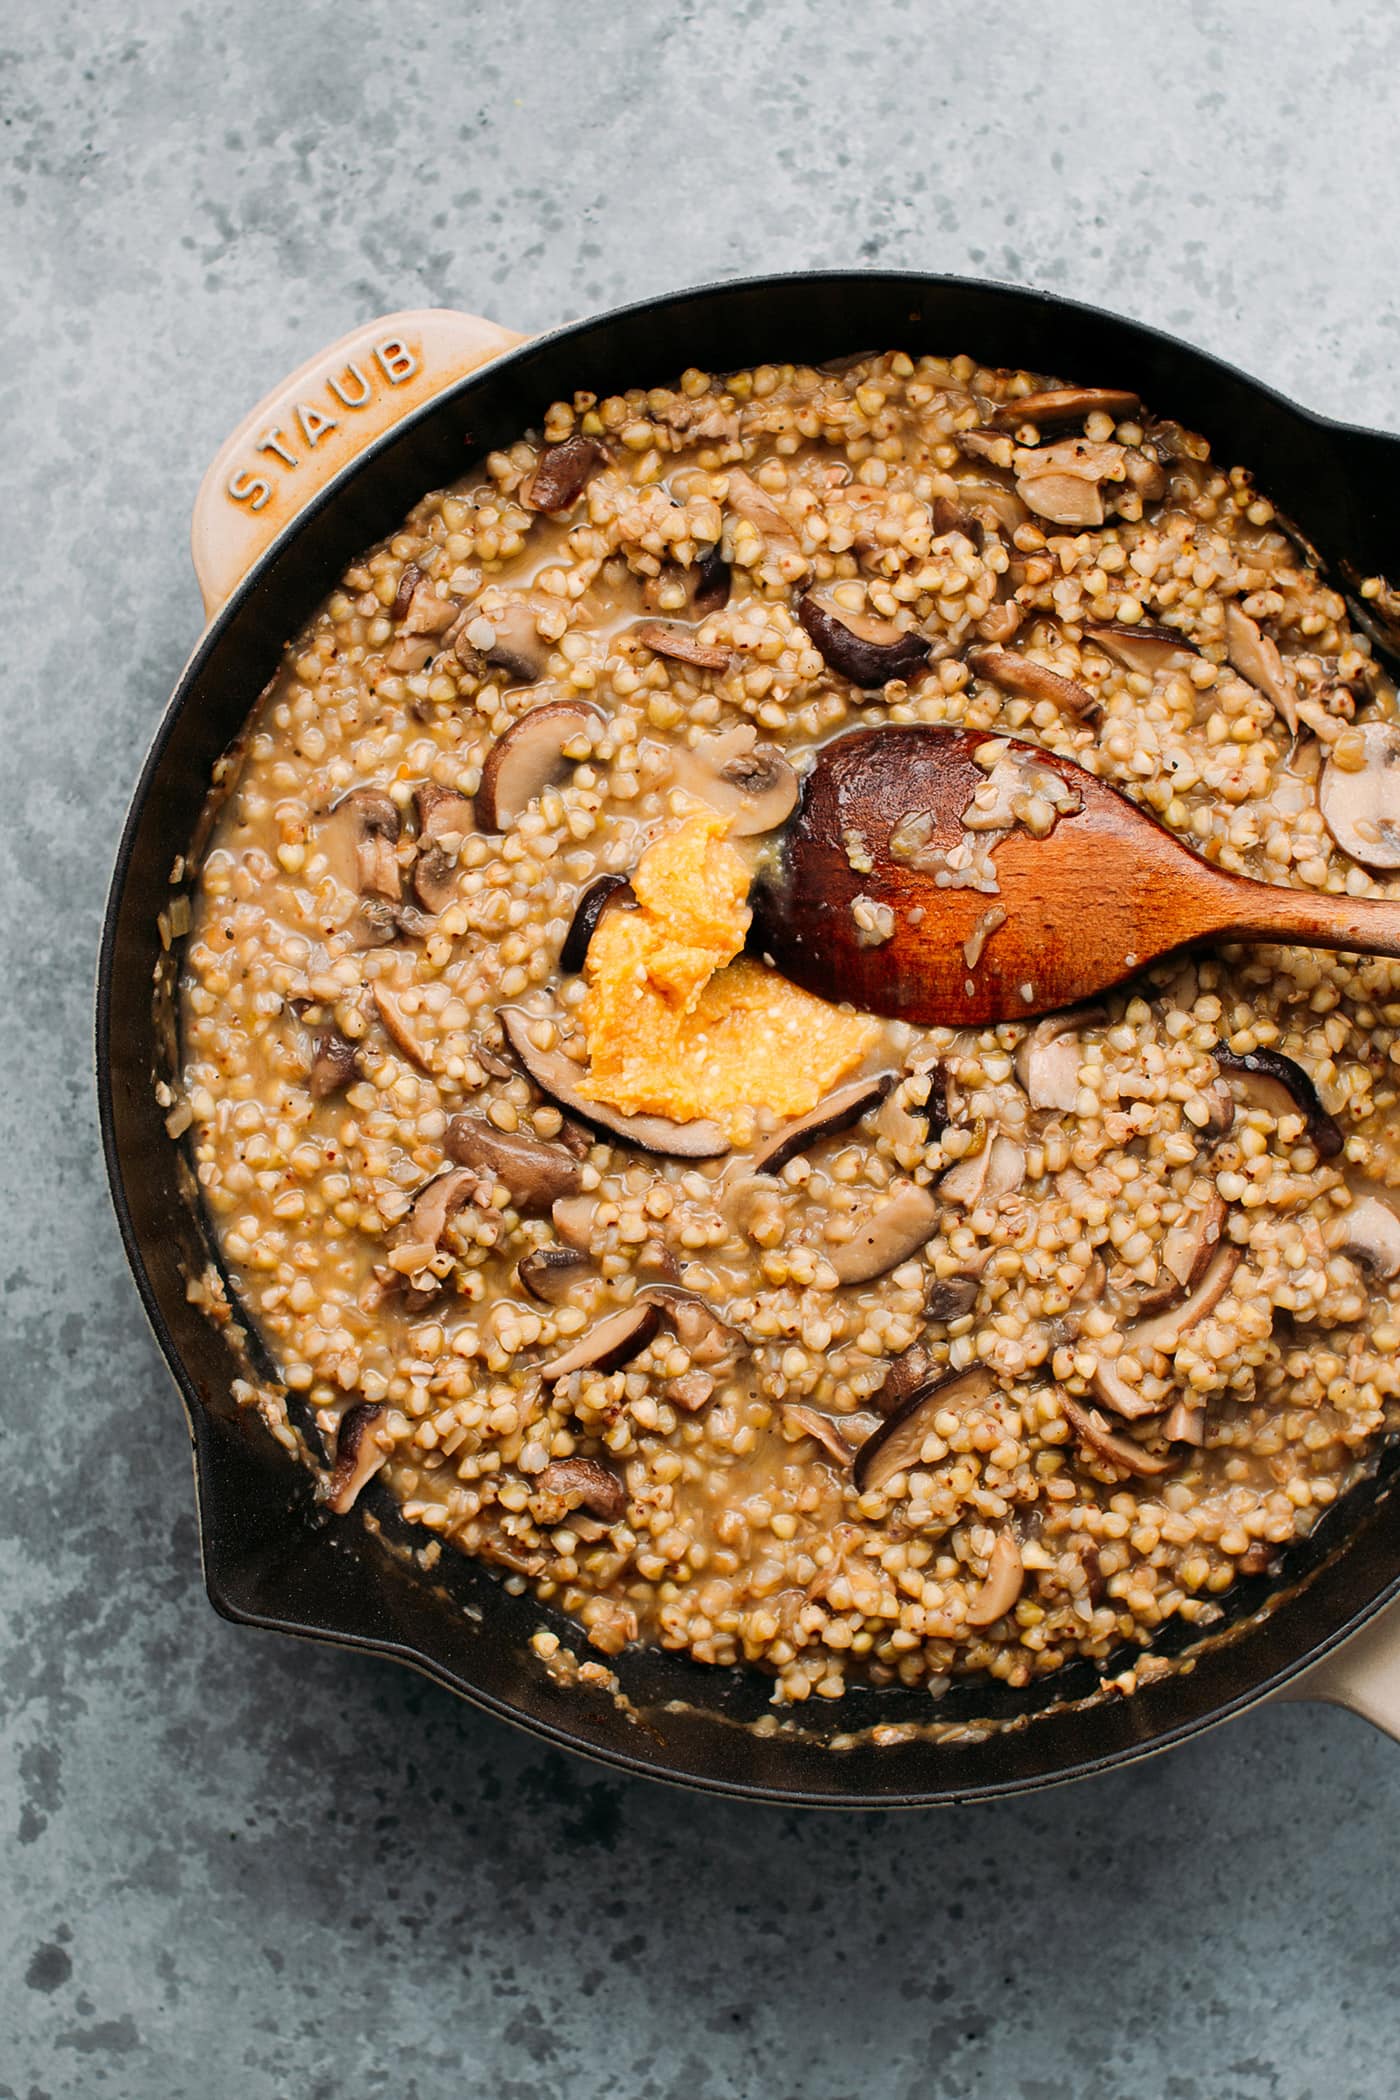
[(558, 1077), (1049, 1056), (887, 1235), (1267, 1079), (1147, 648), (682, 645), (1362, 809), (1000, 1587), (593, 901), (1258, 662), (549, 1273), (868, 651), (837, 1110), (358, 1456), (1372, 1236), (823, 1429), (613, 1342), (531, 756), (895, 1446), (750, 783), (559, 474), (1029, 680), (592, 1483), (1065, 404), (1122, 1451), (535, 1172)]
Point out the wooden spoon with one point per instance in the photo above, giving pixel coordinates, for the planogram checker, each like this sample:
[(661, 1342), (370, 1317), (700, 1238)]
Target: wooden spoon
[(1104, 893)]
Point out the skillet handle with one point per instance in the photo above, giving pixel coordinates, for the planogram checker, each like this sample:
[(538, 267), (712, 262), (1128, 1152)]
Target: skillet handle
[(1363, 1674), (311, 426)]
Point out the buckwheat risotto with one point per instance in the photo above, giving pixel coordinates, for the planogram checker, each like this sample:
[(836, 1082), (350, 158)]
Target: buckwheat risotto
[(729, 1319)]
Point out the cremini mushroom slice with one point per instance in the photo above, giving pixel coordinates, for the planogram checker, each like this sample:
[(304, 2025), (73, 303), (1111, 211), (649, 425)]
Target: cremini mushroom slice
[(600, 895), (1048, 1058), (999, 1589), (1160, 1335), (841, 1108), (887, 1235), (952, 516), (508, 639), (750, 783), (421, 616), (335, 1063), (1063, 483), (359, 1454), (379, 924), (823, 1429), (397, 1028), (1122, 1451), (559, 474), (950, 1298), (435, 1206), (1185, 1423), (550, 1273), (1147, 648), (586, 1482), (996, 1169), (896, 1445), (870, 652), (663, 638), (1065, 404), (705, 583), (1029, 680), (611, 1344), (445, 820), (1268, 1080), (558, 1077), (1371, 1235), (359, 837), (1258, 662), (995, 506), (1186, 1253), (708, 1340), (535, 752), (748, 501), (1361, 804), (535, 1173), (909, 1372)]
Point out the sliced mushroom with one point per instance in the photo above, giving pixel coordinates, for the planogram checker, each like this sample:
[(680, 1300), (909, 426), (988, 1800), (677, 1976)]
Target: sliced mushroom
[(1372, 1236), (366, 823), (994, 506), (1122, 1451), (837, 1111), (516, 647), (601, 893), (1268, 1080), (909, 1373), (1361, 808), (990, 445), (358, 1456), (1049, 1057), (550, 1273), (1065, 404), (1161, 1334), (887, 1235), (985, 1176), (1021, 675), (1257, 660), (560, 473), (950, 1298), (896, 1445), (708, 1340), (435, 1206), (690, 1391), (531, 756), (1186, 1254), (558, 1077), (444, 820), (663, 638), (586, 1481), (378, 923), (999, 1589), (535, 1173), (870, 652), (950, 516), (611, 1344), (418, 609), (748, 501), (335, 1063), (1185, 1423), (750, 783), (1146, 648), (823, 1429), (396, 1026)]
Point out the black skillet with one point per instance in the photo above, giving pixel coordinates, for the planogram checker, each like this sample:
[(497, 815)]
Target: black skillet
[(324, 467)]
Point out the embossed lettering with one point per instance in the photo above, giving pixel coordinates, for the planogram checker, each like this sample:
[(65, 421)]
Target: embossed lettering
[(273, 441), (349, 400), (397, 360), (313, 424), (250, 489)]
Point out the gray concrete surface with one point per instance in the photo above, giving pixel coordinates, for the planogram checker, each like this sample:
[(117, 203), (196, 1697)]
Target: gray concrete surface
[(234, 1868)]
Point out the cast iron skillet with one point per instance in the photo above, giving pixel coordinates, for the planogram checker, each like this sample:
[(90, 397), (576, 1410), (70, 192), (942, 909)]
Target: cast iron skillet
[(269, 1559)]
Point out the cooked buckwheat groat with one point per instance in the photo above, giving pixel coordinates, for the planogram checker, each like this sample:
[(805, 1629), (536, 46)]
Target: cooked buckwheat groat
[(727, 1318)]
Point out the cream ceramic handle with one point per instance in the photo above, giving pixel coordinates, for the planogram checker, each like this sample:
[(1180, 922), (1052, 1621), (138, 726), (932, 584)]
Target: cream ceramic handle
[(301, 434), (1362, 1675)]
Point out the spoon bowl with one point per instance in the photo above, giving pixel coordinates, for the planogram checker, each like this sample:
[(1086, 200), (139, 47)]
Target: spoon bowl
[(879, 893)]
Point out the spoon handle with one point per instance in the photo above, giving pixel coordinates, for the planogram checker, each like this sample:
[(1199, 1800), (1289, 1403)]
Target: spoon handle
[(1262, 911)]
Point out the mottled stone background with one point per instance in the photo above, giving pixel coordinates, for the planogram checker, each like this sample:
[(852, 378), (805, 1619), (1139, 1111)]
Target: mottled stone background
[(234, 1868)]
